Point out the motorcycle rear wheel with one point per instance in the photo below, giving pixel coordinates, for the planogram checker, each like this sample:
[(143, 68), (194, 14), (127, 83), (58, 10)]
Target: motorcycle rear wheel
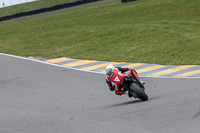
[(138, 91)]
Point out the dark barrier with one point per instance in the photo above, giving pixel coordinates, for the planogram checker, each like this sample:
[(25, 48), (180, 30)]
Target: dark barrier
[(124, 1), (43, 10)]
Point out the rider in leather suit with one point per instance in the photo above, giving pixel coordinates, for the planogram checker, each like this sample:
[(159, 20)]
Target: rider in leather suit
[(113, 79)]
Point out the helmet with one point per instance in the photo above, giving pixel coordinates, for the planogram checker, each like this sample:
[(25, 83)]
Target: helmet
[(109, 68)]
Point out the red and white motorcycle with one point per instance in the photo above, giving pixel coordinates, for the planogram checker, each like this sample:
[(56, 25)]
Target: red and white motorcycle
[(133, 85)]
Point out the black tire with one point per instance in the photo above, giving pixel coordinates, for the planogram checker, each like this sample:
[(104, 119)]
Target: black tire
[(139, 91)]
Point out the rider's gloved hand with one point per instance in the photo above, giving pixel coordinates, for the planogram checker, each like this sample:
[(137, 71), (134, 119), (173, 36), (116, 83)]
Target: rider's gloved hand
[(112, 88)]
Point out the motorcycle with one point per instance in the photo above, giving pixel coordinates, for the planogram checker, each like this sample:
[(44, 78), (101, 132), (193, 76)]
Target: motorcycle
[(134, 86)]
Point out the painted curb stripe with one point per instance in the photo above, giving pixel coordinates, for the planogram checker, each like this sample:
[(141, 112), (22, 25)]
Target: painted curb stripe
[(90, 64), (134, 65), (58, 60), (156, 70), (188, 74), (79, 63), (143, 66), (178, 68), (68, 61), (102, 69), (143, 69), (150, 68), (128, 65), (99, 66), (183, 71), (195, 76)]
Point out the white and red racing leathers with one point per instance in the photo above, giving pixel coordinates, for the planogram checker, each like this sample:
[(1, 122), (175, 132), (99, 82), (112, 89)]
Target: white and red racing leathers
[(115, 76)]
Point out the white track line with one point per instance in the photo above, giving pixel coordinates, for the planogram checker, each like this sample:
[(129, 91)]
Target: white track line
[(30, 59)]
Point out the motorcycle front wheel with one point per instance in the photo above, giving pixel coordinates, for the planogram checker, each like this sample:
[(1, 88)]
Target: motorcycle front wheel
[(137, 90)]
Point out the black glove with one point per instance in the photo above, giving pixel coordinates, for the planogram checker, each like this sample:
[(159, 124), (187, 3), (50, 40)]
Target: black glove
[(112, 88)]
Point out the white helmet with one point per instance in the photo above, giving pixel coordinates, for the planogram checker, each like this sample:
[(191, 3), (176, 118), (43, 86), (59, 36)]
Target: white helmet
[(109, 67)]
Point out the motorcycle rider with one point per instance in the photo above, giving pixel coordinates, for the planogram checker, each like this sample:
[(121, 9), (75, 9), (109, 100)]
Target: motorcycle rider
[(114, 78)]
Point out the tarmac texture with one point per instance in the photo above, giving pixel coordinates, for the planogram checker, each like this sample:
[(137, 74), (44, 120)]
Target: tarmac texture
[(37, 97)]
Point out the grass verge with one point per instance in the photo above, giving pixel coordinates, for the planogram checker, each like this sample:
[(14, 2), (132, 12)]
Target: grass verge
[(154, 31), (31, 6)]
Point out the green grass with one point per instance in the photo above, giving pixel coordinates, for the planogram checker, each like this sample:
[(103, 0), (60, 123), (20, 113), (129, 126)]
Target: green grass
[(147, 31), (31, 6)]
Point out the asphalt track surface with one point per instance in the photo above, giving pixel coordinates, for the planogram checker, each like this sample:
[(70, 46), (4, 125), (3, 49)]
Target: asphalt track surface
[(41, 98)]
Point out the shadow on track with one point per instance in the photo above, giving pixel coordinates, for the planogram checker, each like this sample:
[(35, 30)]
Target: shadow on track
[(126, 103), (122, 104)]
